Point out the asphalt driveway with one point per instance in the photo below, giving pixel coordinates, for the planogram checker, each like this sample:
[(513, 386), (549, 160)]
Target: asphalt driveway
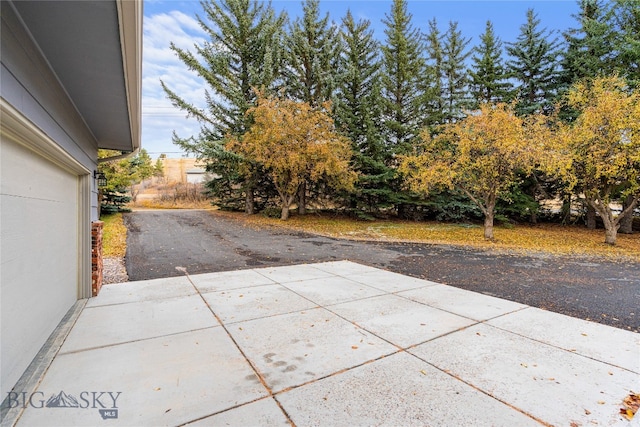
[(165, 243)]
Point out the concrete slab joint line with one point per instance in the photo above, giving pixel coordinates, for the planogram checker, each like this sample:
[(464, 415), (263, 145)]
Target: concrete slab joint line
[(335, 344), (255, 369)]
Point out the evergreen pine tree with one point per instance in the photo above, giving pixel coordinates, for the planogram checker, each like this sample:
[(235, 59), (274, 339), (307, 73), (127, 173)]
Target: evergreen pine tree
[(533, 64), (624, 23), (455, 73), (404, 100), (488, 76), (243, 53), (404, 68), (358, 115), (313, 50), (434, 76), (589, 50)]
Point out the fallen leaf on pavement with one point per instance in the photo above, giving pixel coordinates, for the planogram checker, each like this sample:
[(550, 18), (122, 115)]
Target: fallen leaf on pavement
[(631, 403)]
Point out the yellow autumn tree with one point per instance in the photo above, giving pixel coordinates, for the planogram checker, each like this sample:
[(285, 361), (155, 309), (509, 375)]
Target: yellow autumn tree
[(296, 144), (479, 156), (600, 150)]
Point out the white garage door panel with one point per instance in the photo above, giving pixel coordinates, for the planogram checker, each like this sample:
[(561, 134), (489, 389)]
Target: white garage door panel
[(39, 253)]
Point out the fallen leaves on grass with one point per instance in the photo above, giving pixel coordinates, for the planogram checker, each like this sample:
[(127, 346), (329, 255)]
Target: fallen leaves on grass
[(114, 236), (525, 239)]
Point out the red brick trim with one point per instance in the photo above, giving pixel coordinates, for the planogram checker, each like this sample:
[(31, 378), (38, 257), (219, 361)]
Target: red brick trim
[(96, 257)]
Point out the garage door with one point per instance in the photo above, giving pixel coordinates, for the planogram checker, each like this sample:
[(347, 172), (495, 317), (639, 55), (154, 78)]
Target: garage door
[(39, 267)]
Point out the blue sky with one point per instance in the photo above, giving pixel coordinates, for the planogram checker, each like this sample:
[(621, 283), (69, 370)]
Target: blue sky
[(174, 21)]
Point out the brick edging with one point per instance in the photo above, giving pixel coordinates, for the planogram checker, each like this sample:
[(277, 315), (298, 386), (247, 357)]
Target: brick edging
[(96, 257)]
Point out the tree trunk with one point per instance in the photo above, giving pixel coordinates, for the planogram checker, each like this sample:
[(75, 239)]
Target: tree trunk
[(611, 224), (533, 218), (610, 235), (286, 205), (591, 218), (401, 210), (626, 222), (566, 209), (302, 199), (488, 225), (284, 214), (249, 204), (134, 193)]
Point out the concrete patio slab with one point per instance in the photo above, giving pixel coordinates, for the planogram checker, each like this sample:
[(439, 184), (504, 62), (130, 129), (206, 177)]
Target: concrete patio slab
[(163, 381), (293, 349), (398, 390), (293, 273), (388, 281), (552, 385), (238, 305), (344, 268), (464, 303), (227, 280), (332, 290), (263, 413), (145, 290), (328, 344), (610, 345), (400, 321), (114, 324)]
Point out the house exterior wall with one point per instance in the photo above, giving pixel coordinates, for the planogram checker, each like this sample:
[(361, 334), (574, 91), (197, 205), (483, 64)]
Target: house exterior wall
[(29, 85), (48, 199)]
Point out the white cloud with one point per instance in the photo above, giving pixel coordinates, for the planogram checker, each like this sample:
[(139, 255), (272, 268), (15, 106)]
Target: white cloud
[(159, 117)]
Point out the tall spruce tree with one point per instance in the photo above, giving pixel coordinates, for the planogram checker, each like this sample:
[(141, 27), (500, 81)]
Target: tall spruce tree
[(589, 51), (243, 53), (489, 80), (358, 115), (358, 107), (403, 95), (404, 68), (455, 73), (624, 20), (313, 49), (533, 64), (433, 85)]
